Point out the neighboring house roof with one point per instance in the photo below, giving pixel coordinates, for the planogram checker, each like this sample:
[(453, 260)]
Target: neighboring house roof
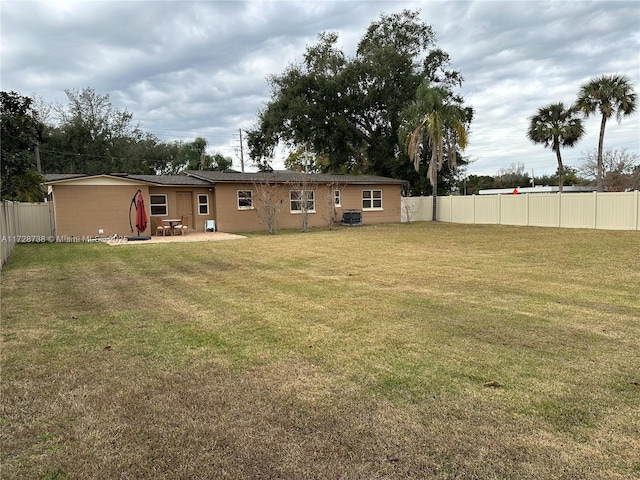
[(288, 176)]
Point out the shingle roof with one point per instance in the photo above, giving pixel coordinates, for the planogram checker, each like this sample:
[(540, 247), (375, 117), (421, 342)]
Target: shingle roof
[(170, 179), (205, 177), (54, 177), (175, 180), (289, 176)]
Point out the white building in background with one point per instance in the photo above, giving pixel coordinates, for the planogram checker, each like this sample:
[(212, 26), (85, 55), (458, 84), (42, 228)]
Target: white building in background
[(540, 189)]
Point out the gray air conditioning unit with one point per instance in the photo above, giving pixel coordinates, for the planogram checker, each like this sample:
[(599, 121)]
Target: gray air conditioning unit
[(352, 217)]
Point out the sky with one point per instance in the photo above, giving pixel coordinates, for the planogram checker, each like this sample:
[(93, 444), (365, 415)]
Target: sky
[(199, 69)]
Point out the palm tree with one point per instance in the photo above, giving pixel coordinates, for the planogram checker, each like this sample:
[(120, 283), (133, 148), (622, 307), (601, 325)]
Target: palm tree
[(610, 95), (441, 126), (556, 126)]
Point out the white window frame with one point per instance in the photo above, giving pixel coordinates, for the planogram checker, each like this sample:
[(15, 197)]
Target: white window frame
[(248, 198), (205, 204), (371, 199), (337, 198), (156, 205), (302, 196)]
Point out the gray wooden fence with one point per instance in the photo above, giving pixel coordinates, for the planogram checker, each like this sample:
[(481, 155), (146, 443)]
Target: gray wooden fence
[(24, 223)]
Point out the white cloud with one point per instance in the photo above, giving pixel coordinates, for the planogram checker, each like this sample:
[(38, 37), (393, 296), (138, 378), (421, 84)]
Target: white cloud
[(187, 69)]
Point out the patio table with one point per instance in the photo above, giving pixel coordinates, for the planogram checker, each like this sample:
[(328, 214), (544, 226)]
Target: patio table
[(172, 223)]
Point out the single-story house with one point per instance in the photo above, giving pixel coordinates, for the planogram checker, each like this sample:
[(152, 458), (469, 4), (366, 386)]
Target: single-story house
[(94, 205)]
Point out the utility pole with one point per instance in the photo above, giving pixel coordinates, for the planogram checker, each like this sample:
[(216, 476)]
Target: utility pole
[(241, 152)]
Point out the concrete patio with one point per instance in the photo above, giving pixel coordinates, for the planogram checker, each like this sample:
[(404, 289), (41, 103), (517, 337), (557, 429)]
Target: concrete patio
[(190, 237)]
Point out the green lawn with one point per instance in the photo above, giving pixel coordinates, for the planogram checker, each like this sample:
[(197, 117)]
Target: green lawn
[(400, 351)]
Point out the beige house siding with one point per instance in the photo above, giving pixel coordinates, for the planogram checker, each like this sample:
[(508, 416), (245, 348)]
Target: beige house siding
[(197, 220), (391, 202), (86, 207), (82, 210), (229, 218)]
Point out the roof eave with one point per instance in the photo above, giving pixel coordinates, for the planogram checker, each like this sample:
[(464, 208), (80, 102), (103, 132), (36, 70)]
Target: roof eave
[(86, 177), (337, 178)]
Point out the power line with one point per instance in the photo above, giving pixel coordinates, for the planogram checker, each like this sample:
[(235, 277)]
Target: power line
[(46, 151), (91, 155), (192, 132)]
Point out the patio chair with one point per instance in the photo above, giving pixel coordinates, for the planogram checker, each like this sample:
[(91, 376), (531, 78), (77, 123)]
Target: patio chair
[(183, 226), (210, 226), (160, 228)]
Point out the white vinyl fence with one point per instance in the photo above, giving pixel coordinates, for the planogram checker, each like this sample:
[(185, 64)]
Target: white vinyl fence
[(24, 223), (607, 211)]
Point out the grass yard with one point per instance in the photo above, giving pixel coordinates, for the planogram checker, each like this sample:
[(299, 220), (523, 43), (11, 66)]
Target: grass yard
[(434, 351)]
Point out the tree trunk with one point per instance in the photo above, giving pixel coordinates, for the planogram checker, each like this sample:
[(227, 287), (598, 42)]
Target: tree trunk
[(600, 176), (560, 169), (434, 213), (36, 152)]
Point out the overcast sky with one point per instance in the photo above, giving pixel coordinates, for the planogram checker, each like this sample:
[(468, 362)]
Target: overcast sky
[(188, 69)]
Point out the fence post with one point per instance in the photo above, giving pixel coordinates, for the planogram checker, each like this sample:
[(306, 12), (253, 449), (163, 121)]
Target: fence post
[(450, 209), (474, 209), (595, 210), (559, 209), (4, 246), (7, 228), (636, 205)]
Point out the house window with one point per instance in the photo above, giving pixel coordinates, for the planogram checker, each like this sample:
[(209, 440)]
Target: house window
[(245, 199), (303, 199), (372, 199), (336, 198), (158, 204), (203, 204)]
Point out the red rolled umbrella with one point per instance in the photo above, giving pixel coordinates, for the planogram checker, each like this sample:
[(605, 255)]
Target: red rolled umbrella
[(141, 215)]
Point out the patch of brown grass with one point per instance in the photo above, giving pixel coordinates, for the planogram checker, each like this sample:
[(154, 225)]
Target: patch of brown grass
[(357, 353)]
